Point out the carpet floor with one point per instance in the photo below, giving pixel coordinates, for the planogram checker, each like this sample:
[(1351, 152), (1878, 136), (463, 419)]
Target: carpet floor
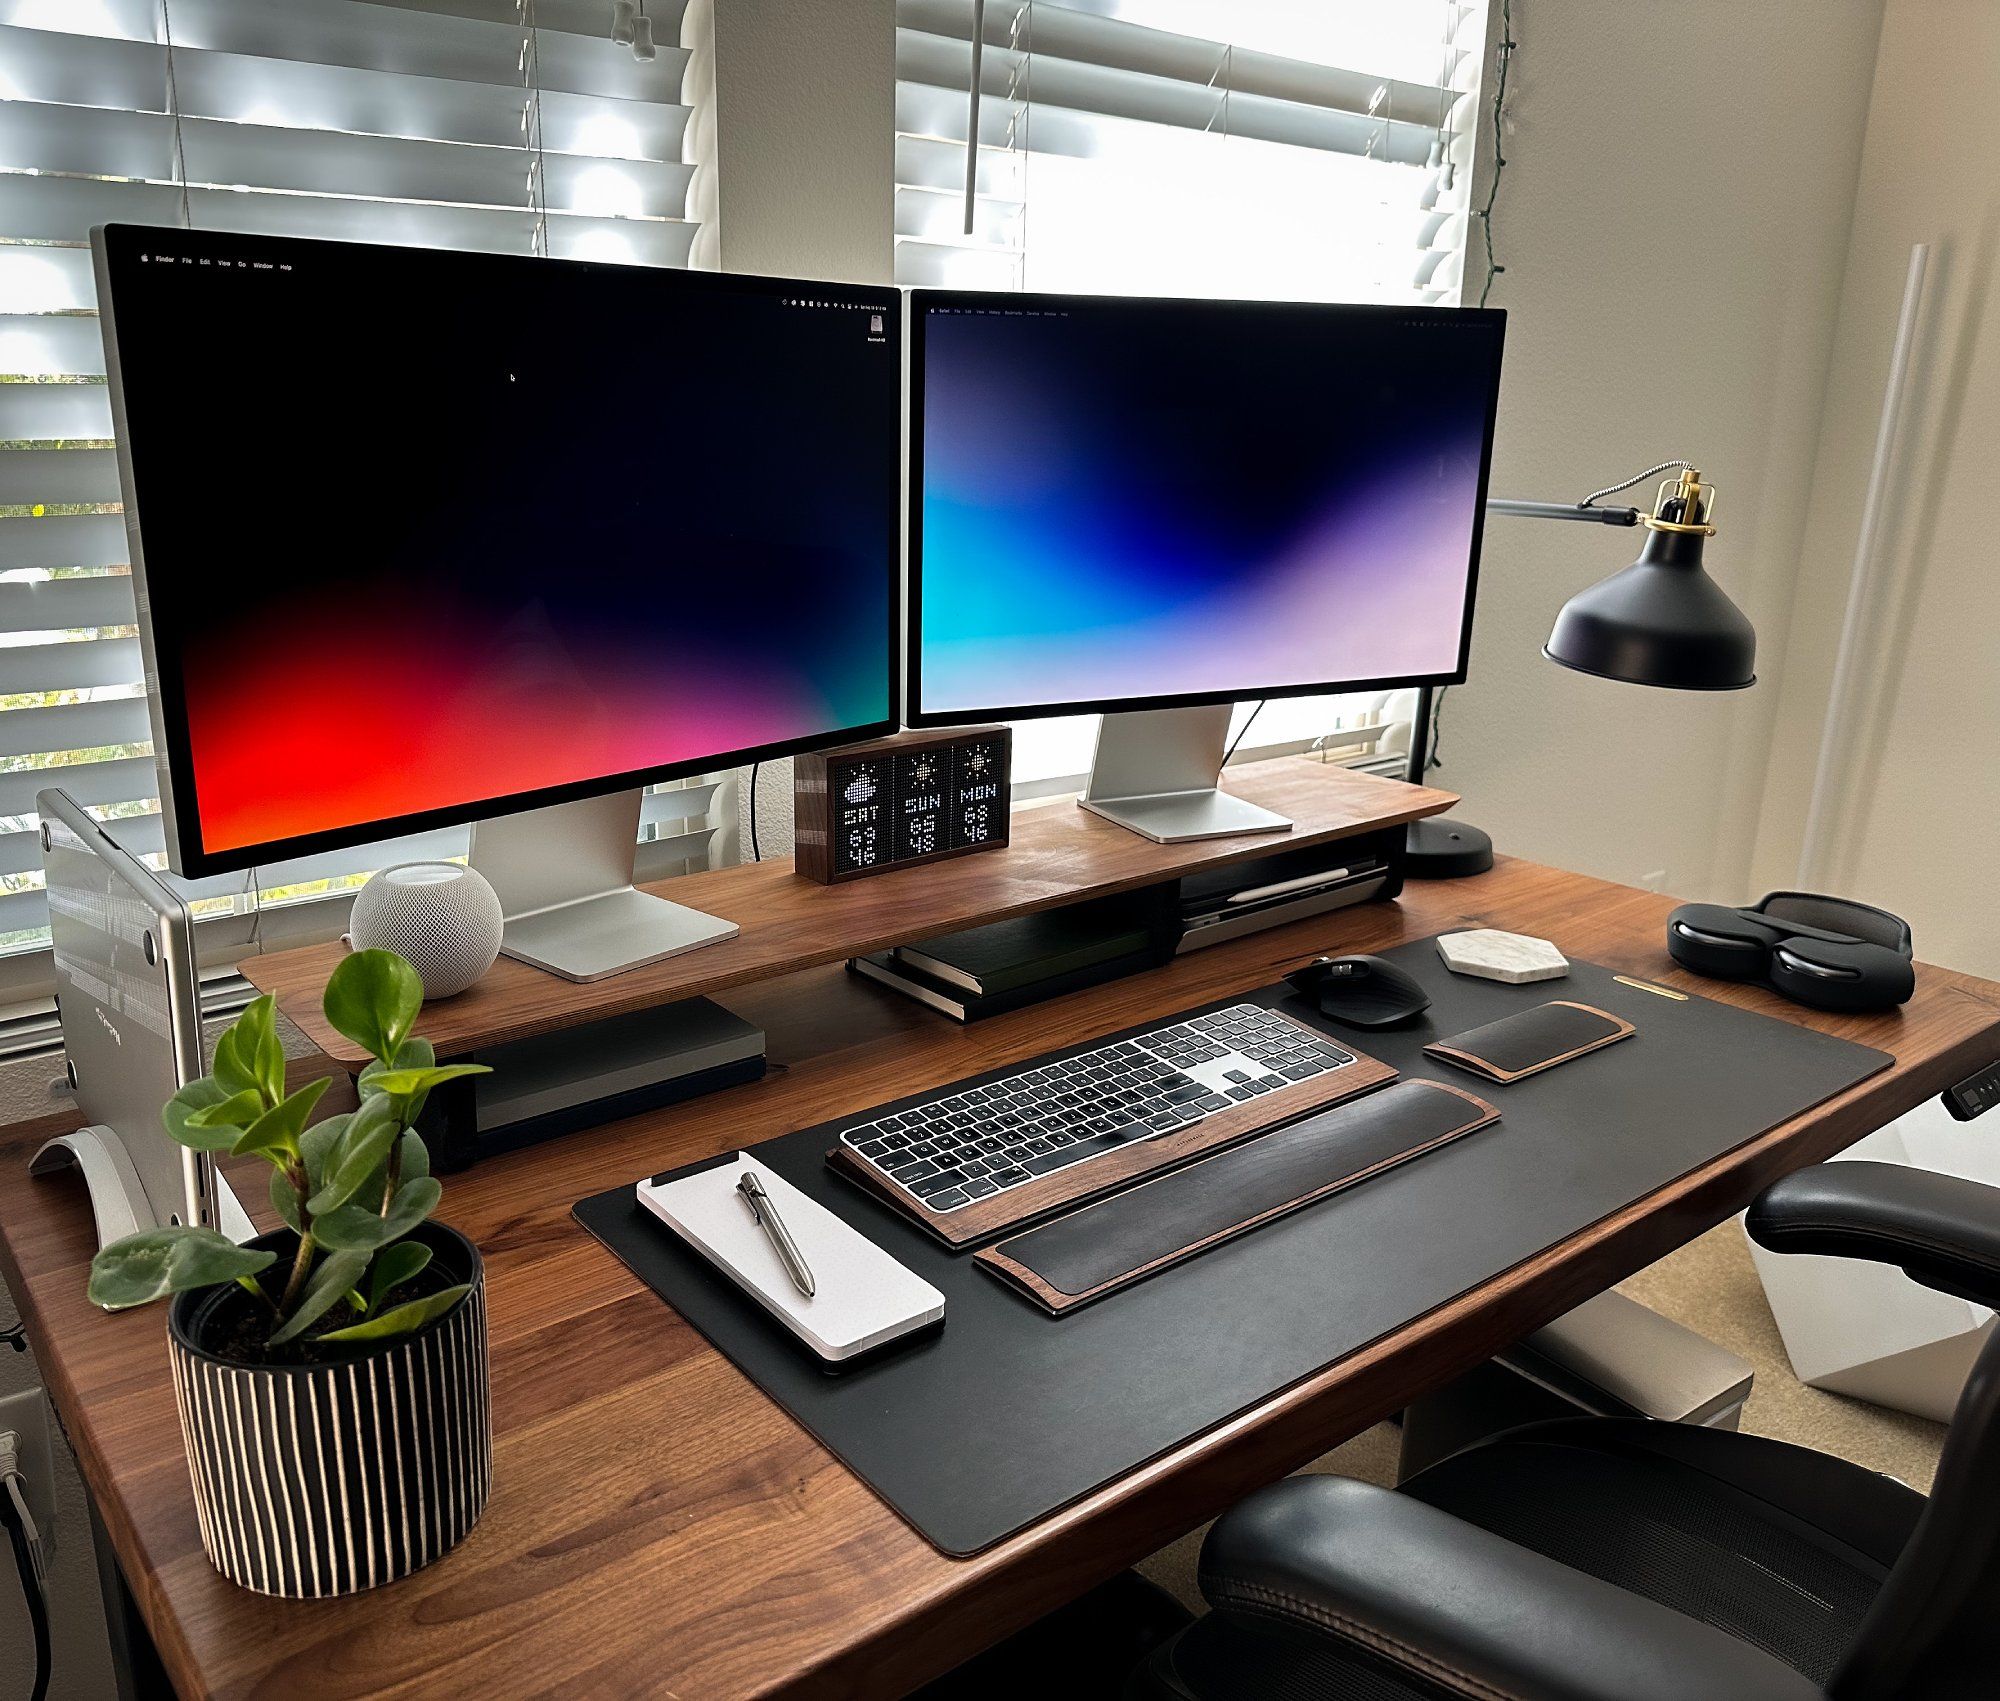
[(1710, 1286)]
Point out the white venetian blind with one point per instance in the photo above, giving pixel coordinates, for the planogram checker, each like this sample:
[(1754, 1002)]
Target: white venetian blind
[(1295, 149), (1311, 149), (507, 126)]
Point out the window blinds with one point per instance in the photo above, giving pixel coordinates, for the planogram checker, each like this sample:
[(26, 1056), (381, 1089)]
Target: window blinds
[(1296, 149), (1313, 149), (509, 126)]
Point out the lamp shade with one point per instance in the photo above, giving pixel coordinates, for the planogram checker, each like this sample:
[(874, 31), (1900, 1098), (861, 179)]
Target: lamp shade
[(1662, 621)]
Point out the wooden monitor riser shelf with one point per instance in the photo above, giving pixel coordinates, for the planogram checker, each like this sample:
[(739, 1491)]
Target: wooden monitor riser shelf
[(1059, 854)]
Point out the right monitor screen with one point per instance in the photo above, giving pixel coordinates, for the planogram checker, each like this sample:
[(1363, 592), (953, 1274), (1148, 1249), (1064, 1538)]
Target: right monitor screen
[(1121, 503)]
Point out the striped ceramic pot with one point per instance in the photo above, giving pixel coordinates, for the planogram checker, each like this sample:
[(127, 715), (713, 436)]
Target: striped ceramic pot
[(323, 1479)]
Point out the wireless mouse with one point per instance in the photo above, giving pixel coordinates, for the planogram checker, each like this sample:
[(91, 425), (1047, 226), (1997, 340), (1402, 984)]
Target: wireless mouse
[(1362, 991)]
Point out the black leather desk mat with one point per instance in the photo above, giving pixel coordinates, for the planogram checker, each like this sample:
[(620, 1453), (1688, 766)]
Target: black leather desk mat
[(1008, 1413)]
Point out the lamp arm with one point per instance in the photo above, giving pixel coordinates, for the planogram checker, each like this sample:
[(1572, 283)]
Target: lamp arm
[(1562, 511)]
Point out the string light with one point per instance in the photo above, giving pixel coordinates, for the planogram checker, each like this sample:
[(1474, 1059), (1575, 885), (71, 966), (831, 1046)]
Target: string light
[(1493, 269)]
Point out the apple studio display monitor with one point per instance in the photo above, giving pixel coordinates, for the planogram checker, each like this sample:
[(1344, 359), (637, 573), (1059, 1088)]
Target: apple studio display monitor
[(422, 538), (1157, 508)]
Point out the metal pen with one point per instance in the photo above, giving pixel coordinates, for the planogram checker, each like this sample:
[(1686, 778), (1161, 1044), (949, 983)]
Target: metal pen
[(765, 1210)]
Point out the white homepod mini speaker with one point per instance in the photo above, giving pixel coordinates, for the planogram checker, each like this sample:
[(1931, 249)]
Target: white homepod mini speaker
[(443, 916)]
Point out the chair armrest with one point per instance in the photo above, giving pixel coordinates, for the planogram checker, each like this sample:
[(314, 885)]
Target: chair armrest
[(1942, 1230), (1465, 1609)]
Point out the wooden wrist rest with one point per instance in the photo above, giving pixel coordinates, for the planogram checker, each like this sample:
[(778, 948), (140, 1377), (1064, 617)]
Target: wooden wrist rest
[(1150, 1227)]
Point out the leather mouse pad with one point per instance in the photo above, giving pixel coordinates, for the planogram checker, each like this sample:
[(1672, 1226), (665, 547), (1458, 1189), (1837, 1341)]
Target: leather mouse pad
[(1525, 1044), (1110, 1245)]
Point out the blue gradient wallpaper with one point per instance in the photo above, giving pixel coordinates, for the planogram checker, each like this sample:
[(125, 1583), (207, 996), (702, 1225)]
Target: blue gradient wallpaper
[(1128, 499)]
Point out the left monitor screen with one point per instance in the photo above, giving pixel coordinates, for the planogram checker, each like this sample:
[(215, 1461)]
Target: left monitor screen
[(424, 536)]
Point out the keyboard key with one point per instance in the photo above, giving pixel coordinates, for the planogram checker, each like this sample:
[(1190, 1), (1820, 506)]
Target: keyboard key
[(927, 1185), (1241, 1093), (1008, 1177), (923, 1149), (1300, 1071), (910, 1174), (1210, 1101), (1237, 1075), (871, 1148), (979, 1188)]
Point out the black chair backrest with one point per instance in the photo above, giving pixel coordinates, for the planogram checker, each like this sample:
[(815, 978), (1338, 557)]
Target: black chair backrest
[(1933, 1633)]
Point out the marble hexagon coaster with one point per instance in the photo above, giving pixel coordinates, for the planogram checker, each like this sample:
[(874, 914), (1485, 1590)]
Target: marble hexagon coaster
[(1492, 955)]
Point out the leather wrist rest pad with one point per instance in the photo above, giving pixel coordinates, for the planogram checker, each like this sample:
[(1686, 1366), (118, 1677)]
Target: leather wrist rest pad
[(1148, 1228), (1530, 1041), (1008, 1414)]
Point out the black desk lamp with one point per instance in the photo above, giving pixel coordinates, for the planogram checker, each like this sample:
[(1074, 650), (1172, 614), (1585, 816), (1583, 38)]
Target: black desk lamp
[(1661, 621)]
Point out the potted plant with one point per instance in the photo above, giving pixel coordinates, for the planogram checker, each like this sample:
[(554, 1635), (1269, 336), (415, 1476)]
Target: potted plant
[(331, 1375)]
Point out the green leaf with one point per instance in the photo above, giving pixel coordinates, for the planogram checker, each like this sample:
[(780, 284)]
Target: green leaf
[(234, 1067), (275, 1134), (371, 1131), (394, 1265), (373, 998), (350, 1228), (401, 1320), (196, 1096), (234, 1113), (326, 1287), (404, 1083), (415, 1052), (285, 1201), (318, 1141), (250, 1057), (156, 1262), (413, 1157)]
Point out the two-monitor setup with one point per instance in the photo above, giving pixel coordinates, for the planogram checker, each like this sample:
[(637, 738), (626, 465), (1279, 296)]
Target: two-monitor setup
[(422, 539)]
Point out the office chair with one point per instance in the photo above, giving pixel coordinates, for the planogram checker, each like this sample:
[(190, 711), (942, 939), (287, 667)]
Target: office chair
[(1605, 1559)]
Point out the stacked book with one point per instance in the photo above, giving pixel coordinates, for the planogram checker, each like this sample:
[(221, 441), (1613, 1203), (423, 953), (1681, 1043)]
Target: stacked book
[(981, 971)]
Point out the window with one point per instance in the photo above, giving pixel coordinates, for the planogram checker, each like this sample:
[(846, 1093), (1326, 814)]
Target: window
[(1300, 149), (512, 126)]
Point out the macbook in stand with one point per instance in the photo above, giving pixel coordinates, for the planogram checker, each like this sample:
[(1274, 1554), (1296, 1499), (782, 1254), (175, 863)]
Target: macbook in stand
[(123, 946)]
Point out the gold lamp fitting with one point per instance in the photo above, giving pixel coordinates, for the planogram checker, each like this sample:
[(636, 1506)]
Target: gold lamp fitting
[(1683, 504)]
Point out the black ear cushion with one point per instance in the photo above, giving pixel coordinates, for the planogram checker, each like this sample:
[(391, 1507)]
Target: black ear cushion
[(1848, 975), (1713, 939)]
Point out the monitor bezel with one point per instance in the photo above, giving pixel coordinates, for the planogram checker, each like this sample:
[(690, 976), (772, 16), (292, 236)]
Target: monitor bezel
[(922, 302), (166, 700)]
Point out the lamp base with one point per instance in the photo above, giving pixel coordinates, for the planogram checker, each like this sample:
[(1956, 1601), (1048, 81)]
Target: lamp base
[(1442, 849)]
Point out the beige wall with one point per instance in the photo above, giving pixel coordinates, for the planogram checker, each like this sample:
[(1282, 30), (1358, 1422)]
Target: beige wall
[(1922, 835), (1673, 222), (805, 126)]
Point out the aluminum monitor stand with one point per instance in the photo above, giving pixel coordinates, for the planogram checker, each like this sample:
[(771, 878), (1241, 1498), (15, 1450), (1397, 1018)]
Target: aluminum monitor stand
[(1155, 771), (564, 877)]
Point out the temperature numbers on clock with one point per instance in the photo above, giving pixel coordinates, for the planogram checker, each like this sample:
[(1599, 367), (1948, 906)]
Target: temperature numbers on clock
[(861, 813), (906, 805)]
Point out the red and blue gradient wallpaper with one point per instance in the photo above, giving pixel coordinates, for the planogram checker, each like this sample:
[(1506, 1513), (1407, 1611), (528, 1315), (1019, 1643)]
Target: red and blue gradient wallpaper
[(423, 531), (1136, 499)]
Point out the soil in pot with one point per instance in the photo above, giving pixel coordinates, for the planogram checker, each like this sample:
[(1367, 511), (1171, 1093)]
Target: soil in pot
[(233, 1326)]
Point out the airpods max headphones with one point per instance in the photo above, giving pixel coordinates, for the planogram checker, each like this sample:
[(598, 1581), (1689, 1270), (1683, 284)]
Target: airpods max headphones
[(1831, 953)]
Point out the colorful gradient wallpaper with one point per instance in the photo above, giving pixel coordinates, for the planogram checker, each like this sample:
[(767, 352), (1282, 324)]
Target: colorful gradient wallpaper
[(427, 530), (1134, 499)]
